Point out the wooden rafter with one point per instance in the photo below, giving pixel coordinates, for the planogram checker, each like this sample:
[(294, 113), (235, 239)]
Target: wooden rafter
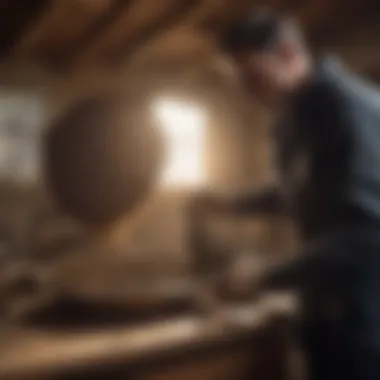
[(317, 13), (324, 18), (94, 31), (59, 26), (174, 17), (217, 21), (179, 41), (15, 17), (131, 28)]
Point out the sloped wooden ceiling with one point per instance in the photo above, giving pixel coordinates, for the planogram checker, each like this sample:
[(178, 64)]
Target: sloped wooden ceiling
[(71, 34)]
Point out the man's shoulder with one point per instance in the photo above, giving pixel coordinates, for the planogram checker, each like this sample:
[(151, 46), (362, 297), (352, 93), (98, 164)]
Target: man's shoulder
[(348, 83), (311, 97)]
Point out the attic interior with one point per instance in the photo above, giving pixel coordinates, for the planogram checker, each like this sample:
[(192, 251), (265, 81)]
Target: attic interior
[(69, 311)]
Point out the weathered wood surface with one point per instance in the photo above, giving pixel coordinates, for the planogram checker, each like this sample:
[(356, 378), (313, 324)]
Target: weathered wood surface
[(25, 353)]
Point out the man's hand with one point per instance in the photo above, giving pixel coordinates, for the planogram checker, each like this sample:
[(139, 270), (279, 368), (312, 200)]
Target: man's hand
[(208, 203)]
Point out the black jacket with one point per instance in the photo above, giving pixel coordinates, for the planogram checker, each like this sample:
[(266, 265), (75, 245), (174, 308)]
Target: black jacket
[(327, 148), (339, 284), (328, 156)]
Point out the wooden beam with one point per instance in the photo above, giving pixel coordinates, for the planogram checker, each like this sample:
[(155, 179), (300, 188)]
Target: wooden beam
[(205, 9), (175, 16), (15, 17), (62, 57), (59, 26), (37, 354), (215, 21), (130, 28), (316, 12), (359, 47), (179, 46), (225, 15), (178, 42), (322, 19)]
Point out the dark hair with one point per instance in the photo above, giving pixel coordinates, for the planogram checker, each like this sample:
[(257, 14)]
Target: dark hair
[(101, 159), (259, 31)]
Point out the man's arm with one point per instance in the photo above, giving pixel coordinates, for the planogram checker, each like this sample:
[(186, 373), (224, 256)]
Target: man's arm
[(324, 267), (266, 201)]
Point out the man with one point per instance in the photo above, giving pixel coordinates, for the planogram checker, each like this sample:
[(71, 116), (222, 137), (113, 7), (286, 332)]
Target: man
[(328, 160)]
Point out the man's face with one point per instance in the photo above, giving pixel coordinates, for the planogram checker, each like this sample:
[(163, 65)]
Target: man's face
[(272, 74), (259, 82)]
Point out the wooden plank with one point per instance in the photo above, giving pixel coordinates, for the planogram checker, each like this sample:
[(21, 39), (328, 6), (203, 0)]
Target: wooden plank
[(225, 14), (182, 43), (317, 13), (15, 17), (236, 363), (322, 19), (60, 25), (178, 47), (359, 47), (92, 33), (175, 16), (129, 24), (176, 42), (37, 353)]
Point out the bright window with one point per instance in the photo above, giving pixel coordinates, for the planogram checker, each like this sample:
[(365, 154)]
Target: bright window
[(184, 128)]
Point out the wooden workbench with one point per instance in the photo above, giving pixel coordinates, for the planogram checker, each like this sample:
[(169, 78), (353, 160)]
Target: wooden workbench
[(33, 354)]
